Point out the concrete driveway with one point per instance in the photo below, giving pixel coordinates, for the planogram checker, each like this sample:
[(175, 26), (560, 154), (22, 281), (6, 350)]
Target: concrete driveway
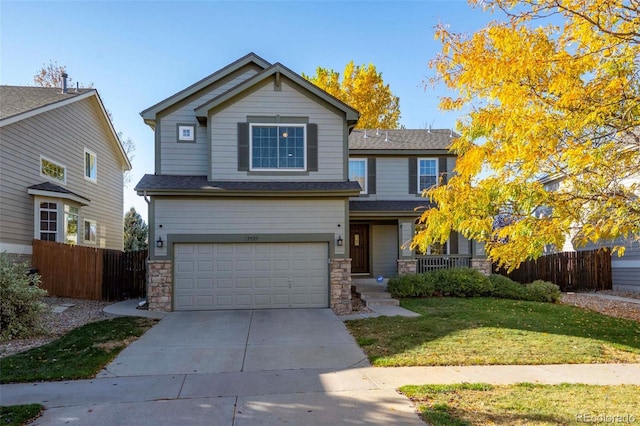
[(240, 341)]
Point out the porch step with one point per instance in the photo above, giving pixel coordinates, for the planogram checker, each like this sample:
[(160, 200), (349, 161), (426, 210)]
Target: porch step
[(372, 293)]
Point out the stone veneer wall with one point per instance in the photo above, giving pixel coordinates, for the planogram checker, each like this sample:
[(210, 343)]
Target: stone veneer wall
[(482, 265), (341, 286), (406, 266), (159, 285)]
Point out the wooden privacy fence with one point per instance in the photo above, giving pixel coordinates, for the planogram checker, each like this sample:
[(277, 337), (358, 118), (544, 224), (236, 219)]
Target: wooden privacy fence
[(88, 272), (571, 271)]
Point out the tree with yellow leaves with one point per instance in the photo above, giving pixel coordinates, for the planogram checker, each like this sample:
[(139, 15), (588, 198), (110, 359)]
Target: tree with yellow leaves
[(361, 88), (553, 92)]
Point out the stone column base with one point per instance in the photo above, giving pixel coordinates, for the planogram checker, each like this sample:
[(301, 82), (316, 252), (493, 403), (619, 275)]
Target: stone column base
[(341, 286), (406, 267), (159, 285), (482, 265)]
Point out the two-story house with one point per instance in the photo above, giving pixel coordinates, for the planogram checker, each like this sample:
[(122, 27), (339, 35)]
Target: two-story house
[(61, 170), (258, 201)]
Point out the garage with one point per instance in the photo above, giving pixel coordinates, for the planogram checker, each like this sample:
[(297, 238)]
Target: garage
[(250, 276)]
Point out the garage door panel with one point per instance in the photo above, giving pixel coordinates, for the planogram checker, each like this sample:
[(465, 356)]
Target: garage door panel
[(251, 275)]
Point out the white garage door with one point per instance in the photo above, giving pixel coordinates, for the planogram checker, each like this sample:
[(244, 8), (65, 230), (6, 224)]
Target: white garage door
[(251, 276)]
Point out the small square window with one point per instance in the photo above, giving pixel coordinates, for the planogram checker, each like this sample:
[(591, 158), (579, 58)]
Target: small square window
[(186, 133), (90, 165)]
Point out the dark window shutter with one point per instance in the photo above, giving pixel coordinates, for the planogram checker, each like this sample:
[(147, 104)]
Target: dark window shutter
[(453, 242), (243, 147), (312, 147), (371, 175), (442, 169), (413, 175)]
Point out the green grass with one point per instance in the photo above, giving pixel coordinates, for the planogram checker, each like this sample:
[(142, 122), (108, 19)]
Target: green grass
[(483, 331), (16, 415), (525, 404), (79, 354)]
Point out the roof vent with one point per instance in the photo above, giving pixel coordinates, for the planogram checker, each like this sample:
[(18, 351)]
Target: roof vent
[(64, 82), (451, 134), (365, 133), (377, 132), (429, 130), (386, 137)]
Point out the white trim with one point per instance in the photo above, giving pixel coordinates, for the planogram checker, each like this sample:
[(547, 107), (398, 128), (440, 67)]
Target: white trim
[(15, 248), (418, 171), (51, 178), (621, 263), (365, 190), (45, 108), (58, 195), (84, 162), (278, 169)]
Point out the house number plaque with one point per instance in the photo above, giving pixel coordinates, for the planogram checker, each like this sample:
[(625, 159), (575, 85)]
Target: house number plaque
[(252, 238), (356, 240)]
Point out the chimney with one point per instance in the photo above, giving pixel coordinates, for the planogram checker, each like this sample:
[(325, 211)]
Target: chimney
[(64, 82)]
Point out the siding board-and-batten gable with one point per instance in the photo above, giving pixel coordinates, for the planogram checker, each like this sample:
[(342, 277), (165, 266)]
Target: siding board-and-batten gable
[(62, 134)]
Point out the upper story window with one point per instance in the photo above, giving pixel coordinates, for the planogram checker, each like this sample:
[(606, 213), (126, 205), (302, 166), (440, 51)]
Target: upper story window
[(53, 170), (358, 172), (427, 173), (90, 231), (48, 221), (90, 165), (186, 132), (276, 147)]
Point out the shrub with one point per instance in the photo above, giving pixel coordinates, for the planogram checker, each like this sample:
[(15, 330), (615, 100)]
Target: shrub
[(506, 288), (460, 282), (21, 306), (410, 286), (542, 291)]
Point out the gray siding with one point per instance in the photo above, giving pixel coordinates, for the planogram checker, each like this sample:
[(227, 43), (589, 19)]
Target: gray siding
[(385, 247), (392, 177), (61, 135), (247, 216), (626, 279), (265, 101), (191, 158)]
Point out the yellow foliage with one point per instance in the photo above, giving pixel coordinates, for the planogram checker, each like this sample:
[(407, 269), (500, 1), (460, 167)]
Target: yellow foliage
[(361, 88), (554, 90)]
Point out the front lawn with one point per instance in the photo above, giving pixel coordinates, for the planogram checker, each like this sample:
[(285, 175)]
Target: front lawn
[(482, 331), (525, 404), (16, 415), (79, 354)]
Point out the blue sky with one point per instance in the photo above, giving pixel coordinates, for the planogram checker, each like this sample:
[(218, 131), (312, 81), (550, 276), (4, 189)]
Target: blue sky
[(139, 53)]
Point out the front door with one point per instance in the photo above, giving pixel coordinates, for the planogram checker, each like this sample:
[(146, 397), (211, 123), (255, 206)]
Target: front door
[(359, 248)]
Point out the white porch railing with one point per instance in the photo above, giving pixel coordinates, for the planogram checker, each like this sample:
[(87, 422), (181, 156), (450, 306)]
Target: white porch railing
[(441, 261)]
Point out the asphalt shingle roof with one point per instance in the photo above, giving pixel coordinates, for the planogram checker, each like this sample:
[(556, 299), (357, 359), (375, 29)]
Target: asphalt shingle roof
[(52, 187), (390, 206), (16, 100), (399, 139), (200, 183)]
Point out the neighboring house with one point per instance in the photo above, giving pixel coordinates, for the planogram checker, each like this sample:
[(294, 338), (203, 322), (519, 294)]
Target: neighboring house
[(61, 170), (251, 204), (625, 270)]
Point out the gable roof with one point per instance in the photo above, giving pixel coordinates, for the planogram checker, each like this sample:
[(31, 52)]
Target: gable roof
[(150, 113), (401, 139), (276, 70), (21, 102)]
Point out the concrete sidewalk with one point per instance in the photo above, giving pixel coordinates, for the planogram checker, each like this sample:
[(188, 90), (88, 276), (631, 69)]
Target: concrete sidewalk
[(304, 396)]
